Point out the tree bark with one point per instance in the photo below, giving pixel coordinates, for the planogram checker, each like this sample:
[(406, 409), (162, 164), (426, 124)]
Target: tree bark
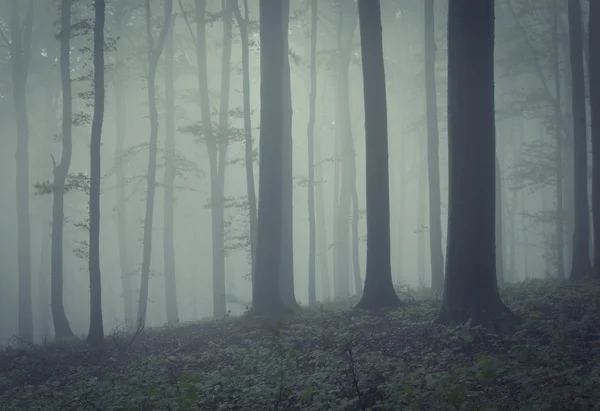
[(499, 223), (169, 182), (580, 264), (433, 158), (96, 331), (321, 226), (470, 286), (61, 171), (267, 301), (154, 53), (379, 291), (594, 80)]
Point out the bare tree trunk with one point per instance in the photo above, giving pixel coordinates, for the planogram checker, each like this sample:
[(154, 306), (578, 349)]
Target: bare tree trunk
[(379, 289), (594, 81), (321, 226), (96, 332), (267, 300), (580, 266), (154, 53), (169, 193), (499, 224), (312, 289), (248, 149), (433, 160)]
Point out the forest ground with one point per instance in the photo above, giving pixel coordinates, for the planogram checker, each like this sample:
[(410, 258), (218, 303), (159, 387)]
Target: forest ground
[(330, 358)]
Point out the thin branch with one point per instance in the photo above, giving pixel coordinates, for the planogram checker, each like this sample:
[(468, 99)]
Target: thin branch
[(187, 23)]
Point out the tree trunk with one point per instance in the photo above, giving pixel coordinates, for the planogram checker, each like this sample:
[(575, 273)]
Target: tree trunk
[(321, 226), (379, 290), (248, 149), (580, 265), (267, 301), (358, 285), (470, 286), (499, 224), (558, 159), (286, 283), (433, 158), (594, 80), (61, 171), (312, 289), (169, 193), (96, 332), (154, 53)]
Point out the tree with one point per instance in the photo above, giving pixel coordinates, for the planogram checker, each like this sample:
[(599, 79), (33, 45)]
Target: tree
[(20, 56), (378, 290), (433, 161), (61, 171), (96, 332), (580, 263), (594, 90), (169, 180), (266, 298), (154, 52), (470, 287), (310, 131)]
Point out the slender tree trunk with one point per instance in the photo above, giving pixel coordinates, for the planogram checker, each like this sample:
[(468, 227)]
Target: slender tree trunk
[(580, 266), (560, 231), (96, 332), (379, 289), (248, 149), (45, 261), (511, 272), (154, 53), (267, 300), (470, 286), (499, 224), (358, 284), (312, 289), (568, 165), (61, 171), (594, 79), (433, 158), (321, 226), (286, 283), (169, 199)]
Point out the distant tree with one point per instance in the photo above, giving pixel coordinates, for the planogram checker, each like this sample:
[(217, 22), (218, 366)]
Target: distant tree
[(154, 52), (266, 298), (433, 160), (378, 290), (96, 332), (470, 287), (580, 263), (594, 79), (61, 171)]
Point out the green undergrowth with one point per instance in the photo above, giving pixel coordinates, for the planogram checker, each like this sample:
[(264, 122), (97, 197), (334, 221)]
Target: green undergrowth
[(323, 359)]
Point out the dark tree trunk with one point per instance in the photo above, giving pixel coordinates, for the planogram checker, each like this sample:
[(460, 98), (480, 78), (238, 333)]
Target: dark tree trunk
[(61, 324), (248, 149), (558, 159), (358, 284), (499, 224), (169, 199), (96, 332), (580, 264), (286, 283), (312, 258), (433, 158), (266, 300), (512, 268), (379, 290), (20, 55), (594, 79), (154, 53), (470, 286), (321, 226)]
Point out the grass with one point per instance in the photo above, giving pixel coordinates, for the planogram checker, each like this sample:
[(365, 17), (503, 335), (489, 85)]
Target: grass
[(330, 359)]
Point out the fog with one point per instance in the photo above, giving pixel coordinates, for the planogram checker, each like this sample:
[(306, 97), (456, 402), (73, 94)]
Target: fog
[(523, 149)]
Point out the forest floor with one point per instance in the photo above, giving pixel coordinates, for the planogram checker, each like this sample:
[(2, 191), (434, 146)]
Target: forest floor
[(330, 359)]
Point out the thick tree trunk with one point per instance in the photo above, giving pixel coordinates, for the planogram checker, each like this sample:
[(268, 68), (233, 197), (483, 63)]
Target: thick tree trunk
[(379, 290), (470, 286), (96, 331), (594, 80), (169, 182), (20, 54), (312, 288), (154, 53), (286, 271), (248, 149), (61, 171), (580, 265), (433, 158)]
